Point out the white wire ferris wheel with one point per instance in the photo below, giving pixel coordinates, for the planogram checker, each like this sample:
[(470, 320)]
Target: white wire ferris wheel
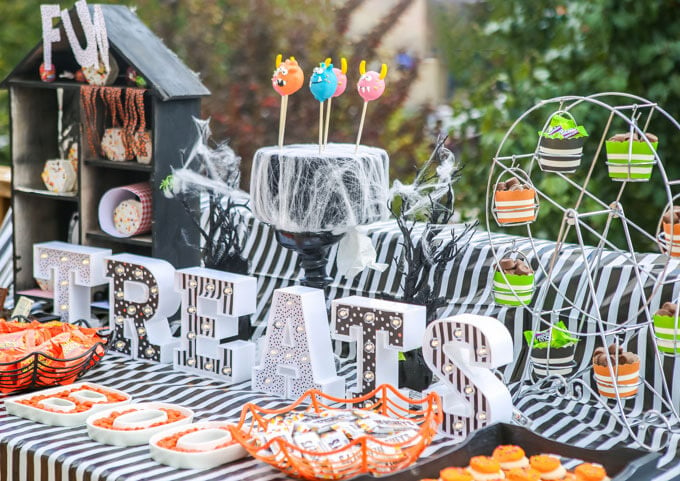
[(595, 230)]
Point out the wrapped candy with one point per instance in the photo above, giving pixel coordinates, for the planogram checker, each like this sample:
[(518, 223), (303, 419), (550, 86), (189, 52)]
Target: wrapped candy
[(60, 344)]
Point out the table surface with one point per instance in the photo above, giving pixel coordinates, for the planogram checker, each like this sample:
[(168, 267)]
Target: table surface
[(67, 453)]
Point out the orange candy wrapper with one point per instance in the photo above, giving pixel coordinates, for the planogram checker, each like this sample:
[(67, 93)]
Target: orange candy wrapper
[(67, 343)]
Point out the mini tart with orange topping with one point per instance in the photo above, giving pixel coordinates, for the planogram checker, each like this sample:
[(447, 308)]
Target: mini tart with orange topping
[(523, 474), (549, 466), (590, 472), (455, 474), (510, 456), (485, 468)]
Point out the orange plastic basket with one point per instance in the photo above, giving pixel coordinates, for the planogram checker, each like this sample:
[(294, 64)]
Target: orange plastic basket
[(366, 454)]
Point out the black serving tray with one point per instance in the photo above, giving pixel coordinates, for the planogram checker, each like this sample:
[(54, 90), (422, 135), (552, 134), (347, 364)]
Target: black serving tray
[(622, 464)]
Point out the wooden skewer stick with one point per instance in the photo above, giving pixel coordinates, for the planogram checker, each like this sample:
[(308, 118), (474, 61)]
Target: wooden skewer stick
[(361, 127), (282, 119), (328, 118), (320, 125)]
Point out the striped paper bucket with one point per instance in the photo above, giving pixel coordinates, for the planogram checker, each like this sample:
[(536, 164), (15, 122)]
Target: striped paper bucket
[(671, 242), (560, 155), (667, 334), (515, 206), (556, 360), (523, 287), (139, 218), (636, 165), (627, 380)]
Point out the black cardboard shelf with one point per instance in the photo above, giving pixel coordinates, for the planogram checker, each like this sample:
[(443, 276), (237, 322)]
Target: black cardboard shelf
[(46, 194), (123, 165), (138, 240)]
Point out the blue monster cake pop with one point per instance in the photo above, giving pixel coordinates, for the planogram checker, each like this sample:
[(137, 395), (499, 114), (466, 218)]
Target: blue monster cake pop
[(323, 82)]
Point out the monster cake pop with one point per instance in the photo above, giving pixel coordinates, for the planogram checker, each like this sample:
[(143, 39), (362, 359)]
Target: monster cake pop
[(286, 80), (341, 74), (323, 84), (371, 86)]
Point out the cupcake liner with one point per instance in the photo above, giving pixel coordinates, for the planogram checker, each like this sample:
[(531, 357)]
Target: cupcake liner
[(556, 360), (523, 287), (113, 198), (627, 380), (636, 165), (515, 206), (560, 155), (671, 241), (667, 334)]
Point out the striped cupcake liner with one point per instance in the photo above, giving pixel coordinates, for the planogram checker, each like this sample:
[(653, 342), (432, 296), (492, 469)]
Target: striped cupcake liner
[(556, 360), (667, 334), (517, 291), (560, 155), (669, 248), (515, 208), (630, 163), (627, 380)]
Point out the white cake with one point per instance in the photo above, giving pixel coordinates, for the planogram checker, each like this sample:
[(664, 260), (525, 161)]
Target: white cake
[(297, 189)]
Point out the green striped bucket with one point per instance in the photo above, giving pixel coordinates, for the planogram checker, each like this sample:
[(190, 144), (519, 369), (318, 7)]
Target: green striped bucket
[(636, 165), (523, 287), (667, 336)]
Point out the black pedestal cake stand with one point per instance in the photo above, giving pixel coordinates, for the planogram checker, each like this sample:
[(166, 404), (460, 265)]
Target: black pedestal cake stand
[(312, 249)]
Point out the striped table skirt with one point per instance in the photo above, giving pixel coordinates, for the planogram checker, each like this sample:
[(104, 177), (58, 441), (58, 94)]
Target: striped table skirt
[(32, 451)]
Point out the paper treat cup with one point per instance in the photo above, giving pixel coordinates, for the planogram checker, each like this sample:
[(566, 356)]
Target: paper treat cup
[(667, 334), (515, 206), (558, 360), (523, 287), (113, 144), (560, 155), (671, 241), (634, 166), (99, 75), (627, 380), (143, 147), (59, 176), (114, 197)]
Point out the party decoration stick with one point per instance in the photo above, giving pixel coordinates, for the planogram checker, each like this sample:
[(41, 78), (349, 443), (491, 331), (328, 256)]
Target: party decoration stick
[(371, 85), (341, 74), (286, 80), (323, 84)]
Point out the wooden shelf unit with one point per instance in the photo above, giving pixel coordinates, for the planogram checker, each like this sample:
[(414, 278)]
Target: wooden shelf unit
[(172, 99)]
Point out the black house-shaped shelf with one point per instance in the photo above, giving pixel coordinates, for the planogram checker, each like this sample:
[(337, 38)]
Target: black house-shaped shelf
[(172, 98)]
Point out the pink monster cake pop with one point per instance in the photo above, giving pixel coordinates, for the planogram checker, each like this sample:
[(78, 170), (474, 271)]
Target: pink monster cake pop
[(371, 84), (341, 73)]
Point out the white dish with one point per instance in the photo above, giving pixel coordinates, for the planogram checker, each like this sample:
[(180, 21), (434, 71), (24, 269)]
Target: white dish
[(140, 421), (204, 441), (64, 417)]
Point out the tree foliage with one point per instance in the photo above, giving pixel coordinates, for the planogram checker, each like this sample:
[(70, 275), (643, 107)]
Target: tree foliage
[(505, 56), (233, 44)]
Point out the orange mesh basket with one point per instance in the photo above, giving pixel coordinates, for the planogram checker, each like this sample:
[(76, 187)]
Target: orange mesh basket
[(365, 454)]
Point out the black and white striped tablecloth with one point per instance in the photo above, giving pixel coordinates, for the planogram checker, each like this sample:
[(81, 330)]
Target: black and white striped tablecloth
[(67, 453)]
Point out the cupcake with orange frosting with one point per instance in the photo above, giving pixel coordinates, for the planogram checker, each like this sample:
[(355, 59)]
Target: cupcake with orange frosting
[(485, 468), (523, 474), (455, 474), (510, 456), (590, 472), (549, 466)]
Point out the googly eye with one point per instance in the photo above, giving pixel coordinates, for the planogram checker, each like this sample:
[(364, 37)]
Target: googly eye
[(318, 70), (284, 71)]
